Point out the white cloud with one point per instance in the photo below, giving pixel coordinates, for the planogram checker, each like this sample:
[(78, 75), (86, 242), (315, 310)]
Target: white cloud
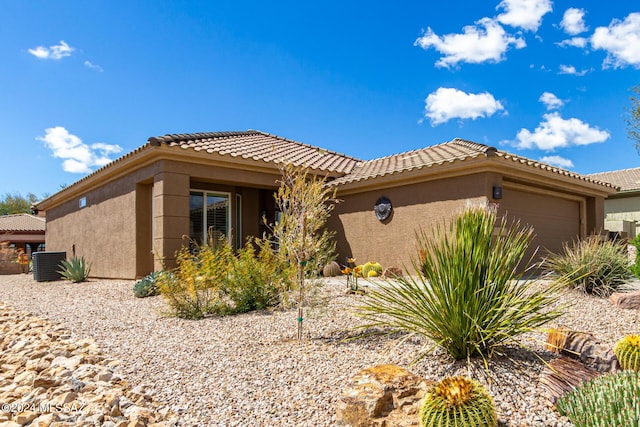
[(573, 21), (557, 161), (93, 66), (551, 101), (526, 14), (556, 132), (78, 156), (448, 103), (621, 41), (580, 42), (484, 42), (570, 69), (52, 52)]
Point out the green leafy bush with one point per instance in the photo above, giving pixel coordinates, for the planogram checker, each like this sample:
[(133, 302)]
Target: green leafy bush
[(458, 402), (635, 267), (469, 300), (591, 266), (148, 286), (196, 288), (258, 281), (605, 401), (213, 281), (76, 269)]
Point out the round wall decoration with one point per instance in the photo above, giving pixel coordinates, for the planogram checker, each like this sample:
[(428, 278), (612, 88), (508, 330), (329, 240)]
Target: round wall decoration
[(382, 208)]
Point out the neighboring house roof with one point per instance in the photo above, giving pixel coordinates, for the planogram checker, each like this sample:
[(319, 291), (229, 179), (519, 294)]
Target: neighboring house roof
[(626, 179), (263, 146), (21, 223)]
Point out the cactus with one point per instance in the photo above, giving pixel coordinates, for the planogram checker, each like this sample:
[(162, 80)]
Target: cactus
[(331, 270), (371, 267), (627, 351), (458, 402), (604, 401), (148, 285)]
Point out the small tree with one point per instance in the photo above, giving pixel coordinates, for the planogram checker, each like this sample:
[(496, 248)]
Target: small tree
[(16, 203), (305, 204)]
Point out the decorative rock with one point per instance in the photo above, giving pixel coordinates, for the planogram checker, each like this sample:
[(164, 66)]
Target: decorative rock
[(380, 396), (50, 381), (627, 300)]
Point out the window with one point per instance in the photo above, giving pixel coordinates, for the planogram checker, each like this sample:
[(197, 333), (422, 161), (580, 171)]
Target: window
[(209, 215)]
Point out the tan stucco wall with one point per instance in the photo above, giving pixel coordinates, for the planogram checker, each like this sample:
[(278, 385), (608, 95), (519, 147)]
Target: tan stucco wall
[(103, 232), (415, 206), (623, 209)]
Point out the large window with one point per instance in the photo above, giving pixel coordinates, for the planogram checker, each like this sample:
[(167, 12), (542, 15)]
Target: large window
[(209, 214)]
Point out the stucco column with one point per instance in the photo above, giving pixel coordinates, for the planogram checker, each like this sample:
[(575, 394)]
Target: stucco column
[(595, 215), (170, 216)]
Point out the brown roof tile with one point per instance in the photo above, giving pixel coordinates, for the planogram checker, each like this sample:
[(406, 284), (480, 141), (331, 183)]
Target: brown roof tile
[(626, 179), (447, 152), (21, 223), (451, 151), (263, 146)]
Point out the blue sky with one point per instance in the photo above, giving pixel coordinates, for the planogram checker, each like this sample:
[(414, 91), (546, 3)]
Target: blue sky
[(82, 83)]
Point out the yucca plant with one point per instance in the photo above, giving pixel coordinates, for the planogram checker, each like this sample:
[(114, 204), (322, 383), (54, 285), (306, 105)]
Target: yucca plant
[(470, 299), (591, 266), (76, 269), (605, 401)]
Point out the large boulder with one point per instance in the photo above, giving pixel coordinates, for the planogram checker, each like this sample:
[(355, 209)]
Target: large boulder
[(628, 300), (383, 395)]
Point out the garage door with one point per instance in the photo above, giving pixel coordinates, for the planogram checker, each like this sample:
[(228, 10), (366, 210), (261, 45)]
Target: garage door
[(555, 220)]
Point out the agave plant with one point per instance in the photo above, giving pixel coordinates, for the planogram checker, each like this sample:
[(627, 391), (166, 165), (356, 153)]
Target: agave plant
[(76, 269), (465, 295)]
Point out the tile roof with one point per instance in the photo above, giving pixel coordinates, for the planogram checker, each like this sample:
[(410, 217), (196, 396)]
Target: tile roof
[(626, 179), (263, 146), (21, 223), (447, 152)]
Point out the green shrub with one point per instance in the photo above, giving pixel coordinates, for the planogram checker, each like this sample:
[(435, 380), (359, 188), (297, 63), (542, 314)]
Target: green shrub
[(591, 266), (258, 280), (458, 402), (196, 288), (469, 300), (627, 351), (211, 280), (605, 401), (635, 267), (148, 286), (76, 269)]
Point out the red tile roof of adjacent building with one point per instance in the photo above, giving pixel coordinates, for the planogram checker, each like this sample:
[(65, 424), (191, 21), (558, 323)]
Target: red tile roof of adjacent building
[(263, 146), (21, 223), (626, 179)]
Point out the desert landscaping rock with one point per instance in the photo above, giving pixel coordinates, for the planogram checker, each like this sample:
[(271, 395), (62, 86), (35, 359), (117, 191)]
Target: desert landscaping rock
[(627, 300), (247, 369)]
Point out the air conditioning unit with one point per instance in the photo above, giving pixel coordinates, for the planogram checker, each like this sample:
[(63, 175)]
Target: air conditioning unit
[(46, 265)]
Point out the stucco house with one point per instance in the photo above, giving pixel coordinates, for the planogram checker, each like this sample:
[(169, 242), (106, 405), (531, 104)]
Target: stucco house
[(622, 209), (23, 232), (129, 217)]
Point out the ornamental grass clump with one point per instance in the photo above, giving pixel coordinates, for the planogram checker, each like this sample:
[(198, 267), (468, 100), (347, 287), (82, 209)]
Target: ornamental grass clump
[(591, 266), (76, 269), (470, 299), (458, 402), (605, 401)]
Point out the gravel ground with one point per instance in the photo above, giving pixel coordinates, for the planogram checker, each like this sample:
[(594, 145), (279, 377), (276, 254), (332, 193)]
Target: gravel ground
[(250, 369)]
